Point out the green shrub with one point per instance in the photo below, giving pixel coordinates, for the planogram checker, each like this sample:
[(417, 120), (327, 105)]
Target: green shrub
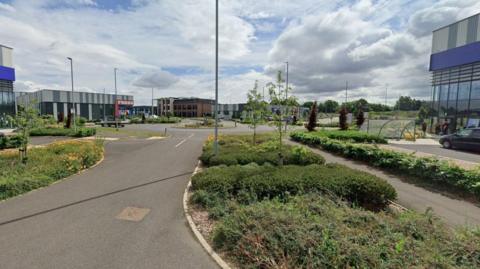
[(238, 149), (46, 165), (254, 183), (350, 135), (7, 142), (81, 132), (428, 169), (316, 232)]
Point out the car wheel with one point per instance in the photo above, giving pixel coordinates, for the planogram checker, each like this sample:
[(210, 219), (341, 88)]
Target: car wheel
[(447, 144)]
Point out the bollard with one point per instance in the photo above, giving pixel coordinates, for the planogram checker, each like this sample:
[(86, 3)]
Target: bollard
[(165, 131)]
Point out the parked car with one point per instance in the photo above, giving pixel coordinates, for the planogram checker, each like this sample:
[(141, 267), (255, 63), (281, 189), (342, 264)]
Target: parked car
[(468, 139)]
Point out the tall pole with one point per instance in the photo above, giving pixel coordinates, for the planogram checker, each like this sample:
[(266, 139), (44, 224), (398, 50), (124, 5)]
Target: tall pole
[(386, 94), (286, 97), (215, 143), (104, 115), (115, 99), (346, 93), (73, 97), (152, 102)]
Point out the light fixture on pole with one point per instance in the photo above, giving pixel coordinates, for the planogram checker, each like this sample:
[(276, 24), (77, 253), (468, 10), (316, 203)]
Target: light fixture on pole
[(115, 99), (74, 109), (386, 94), (215, 143)]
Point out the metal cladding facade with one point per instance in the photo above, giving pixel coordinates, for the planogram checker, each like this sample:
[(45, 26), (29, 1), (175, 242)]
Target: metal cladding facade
[(7, 78), (455, 67), (91, 106)]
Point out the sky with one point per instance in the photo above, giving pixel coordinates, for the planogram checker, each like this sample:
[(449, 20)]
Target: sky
[(382, 48)]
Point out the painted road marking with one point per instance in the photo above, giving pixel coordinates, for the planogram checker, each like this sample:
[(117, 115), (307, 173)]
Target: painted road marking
[(133, 214), (184, 140)]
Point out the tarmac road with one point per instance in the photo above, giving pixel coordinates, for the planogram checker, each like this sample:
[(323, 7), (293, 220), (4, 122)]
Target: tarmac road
[(73, 224)]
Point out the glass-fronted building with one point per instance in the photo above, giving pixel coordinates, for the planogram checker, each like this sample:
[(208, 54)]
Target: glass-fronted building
[(455, 67), (7, 77)]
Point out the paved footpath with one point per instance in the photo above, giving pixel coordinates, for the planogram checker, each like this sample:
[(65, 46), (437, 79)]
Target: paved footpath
[(74, 224), (452, 211)]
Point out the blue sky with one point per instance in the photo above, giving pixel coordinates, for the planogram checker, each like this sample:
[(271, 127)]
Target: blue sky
[(169, 45)]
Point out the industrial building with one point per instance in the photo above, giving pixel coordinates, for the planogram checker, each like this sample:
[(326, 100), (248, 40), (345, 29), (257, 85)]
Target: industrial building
[(92, 106), (7, 78), (455, 67)]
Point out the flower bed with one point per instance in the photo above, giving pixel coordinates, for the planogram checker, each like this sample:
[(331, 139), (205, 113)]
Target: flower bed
[(45, 165)]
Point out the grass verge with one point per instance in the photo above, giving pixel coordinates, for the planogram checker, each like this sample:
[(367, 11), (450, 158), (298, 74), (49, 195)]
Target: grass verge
[(46, 165)]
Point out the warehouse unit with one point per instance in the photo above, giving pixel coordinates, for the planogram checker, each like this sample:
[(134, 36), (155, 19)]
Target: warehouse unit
[(92, 106)]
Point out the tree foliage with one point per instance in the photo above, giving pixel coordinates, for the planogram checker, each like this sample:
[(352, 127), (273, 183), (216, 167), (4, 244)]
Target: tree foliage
[(256, 110), (312, 119), (360, 118), (343, 119), (26, 119), (407, 103), (283, 107)]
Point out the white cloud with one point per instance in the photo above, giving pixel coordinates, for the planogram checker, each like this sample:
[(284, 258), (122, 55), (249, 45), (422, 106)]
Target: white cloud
[(369, 43), (155, 79)]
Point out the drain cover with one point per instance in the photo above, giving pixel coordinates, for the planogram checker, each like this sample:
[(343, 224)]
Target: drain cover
[(133, 213)]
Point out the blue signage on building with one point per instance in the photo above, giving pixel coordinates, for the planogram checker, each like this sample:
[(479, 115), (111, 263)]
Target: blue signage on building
[(7, 73), (454, 57)]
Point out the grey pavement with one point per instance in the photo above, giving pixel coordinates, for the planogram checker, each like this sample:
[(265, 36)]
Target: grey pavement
[(453, 211), (439, 151), (73, 224)]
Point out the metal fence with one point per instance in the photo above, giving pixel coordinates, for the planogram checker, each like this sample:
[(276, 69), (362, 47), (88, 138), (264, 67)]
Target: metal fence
[(393, 129)]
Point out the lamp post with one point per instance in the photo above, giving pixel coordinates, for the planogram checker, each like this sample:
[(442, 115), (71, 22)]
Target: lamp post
[(215, 143), (73, 97), (152, 102), (104, 117), (286, 98), (115, 99)]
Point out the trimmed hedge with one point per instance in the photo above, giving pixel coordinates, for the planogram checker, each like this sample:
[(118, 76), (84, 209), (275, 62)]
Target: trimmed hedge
[(138, 120), (8, 142), (46, 165), (238, 149), (81, 132), (252, 183), (350, 135), (315, 232), (429, 169)]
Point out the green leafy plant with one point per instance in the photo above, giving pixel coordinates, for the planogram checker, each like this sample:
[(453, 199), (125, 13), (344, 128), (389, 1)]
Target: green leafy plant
[(46, 165), (426, 169), (256, 110), (268, 182), (312, 118), (237, 149)]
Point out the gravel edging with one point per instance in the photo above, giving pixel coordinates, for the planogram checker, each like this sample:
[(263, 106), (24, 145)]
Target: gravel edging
[(214, 255)]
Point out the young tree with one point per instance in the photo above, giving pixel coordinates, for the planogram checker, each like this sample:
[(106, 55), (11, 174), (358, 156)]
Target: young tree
[(312, 118), (343, 119), (360, 118), (26, 119), (256, 110), (282, 104)]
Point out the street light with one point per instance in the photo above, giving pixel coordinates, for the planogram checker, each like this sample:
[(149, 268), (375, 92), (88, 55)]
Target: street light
[(73, 97), (115, 99), (286, 97), (215, 143)]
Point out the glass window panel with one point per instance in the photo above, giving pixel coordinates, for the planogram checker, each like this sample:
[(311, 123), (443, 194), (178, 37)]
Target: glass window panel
[(475, 90), (464, 91), (452, 99), (443, 106)]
